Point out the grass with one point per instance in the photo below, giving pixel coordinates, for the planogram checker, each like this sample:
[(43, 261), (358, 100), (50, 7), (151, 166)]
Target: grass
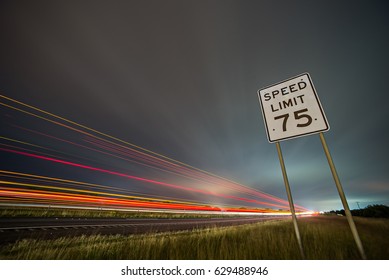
[(322, 237)]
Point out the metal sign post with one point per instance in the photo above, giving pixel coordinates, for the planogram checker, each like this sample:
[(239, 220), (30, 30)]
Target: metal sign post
[(291, 205), (343, 197)]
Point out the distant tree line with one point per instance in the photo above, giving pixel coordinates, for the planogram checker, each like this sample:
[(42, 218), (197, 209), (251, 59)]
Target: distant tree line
[(375, 211)]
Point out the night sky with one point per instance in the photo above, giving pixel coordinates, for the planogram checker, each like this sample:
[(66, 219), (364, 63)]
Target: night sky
[(180, 78)]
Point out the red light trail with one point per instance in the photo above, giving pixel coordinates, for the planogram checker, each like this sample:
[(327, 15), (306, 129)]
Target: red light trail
[(76, 146)]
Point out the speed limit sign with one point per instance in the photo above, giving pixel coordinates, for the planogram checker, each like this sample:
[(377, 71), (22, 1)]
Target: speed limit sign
[(292, 109)]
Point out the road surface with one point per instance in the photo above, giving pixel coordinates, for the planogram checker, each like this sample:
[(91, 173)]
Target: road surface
[(13, 229)]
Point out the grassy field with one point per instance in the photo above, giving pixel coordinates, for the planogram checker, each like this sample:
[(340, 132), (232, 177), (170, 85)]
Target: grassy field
[(323, 238)]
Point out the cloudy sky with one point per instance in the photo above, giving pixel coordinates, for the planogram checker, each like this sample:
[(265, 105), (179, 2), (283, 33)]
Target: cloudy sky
[(180, 78)]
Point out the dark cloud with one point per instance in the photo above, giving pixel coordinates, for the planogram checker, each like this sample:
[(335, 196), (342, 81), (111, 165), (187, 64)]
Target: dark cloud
[(180, 78)]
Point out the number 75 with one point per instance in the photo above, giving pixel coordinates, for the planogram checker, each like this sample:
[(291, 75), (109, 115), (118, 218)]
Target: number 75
[(297, 116)]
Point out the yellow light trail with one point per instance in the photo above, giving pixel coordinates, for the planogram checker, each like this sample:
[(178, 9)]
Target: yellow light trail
[(126, 151), (117, 139)]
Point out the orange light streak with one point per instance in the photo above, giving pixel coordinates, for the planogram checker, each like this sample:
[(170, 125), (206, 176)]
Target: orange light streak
[(117, 148)]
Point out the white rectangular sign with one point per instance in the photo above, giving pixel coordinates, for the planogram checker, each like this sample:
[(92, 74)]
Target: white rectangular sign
[(292, 109)]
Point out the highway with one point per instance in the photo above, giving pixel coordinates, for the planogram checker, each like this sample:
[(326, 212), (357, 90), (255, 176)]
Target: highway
[(13, 229)]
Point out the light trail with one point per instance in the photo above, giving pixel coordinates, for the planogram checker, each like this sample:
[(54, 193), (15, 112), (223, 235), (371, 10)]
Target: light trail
[(124, 142), (138, 178), (77, 185), (99, 201), (76, 146), (80, 185), (124, 175)]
